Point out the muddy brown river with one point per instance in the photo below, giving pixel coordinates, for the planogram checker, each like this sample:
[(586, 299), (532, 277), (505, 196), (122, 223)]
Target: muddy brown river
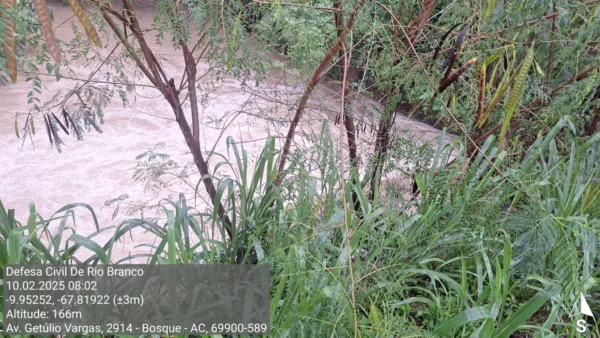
[(100, 167)]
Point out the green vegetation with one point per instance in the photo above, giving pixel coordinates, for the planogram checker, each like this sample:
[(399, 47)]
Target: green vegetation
[(503, 235), (499, 249)]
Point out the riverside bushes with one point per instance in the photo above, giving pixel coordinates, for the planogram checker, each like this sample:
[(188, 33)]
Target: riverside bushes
[(506, 250)]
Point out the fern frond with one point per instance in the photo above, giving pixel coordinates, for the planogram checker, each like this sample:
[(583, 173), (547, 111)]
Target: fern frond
[(377, 318), (589, 85), (515, 93), (490, 9), (538, 236), (566, 261)]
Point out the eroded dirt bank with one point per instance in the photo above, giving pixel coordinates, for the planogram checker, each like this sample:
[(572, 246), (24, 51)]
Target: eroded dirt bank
[(99, 168)]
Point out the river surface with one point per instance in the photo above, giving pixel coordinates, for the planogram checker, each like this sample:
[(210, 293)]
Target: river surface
[(100, 167)]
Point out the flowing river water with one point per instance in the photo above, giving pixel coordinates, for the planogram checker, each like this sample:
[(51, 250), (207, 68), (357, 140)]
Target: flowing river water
[(100, 167)]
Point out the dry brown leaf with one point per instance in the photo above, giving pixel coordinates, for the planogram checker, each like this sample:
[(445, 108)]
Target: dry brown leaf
[(41, 8), (91, 32), (454, 76), (10, 44)]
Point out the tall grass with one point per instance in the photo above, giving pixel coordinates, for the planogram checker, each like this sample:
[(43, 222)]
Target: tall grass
[(502, 248)]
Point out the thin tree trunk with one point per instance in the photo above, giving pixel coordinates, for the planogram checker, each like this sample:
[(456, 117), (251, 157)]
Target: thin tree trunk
[(382, 141), (551, 52), (194, 146), (190, 67), (592, 126), (416, 26), (308, 91), (386, 121), (348, 119), (157, 76)]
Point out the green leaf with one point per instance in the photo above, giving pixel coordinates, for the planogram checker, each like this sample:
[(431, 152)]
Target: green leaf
[(485, 330), (260, 253), (91, 245), (14, 247), (524, 312), (171, 249), (463, 318), (377, 318), (57, 74), (490, 9), (282, 283), (17, 128), (515, 93), (84, 205), (538, 69), (589, 85)]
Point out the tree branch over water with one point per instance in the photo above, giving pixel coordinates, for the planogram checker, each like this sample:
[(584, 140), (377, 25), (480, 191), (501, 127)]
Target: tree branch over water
[(309, 89)]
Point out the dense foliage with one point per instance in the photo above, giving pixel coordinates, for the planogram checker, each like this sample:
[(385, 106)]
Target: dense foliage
[(501, 235)]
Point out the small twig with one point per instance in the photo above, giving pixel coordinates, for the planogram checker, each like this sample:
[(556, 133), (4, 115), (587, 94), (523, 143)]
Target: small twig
[(183, 78), (83, 103), (129, 48), (585, 73), (499, 32), (473, 143), (346, 221), (551, 52), (95, 81)]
